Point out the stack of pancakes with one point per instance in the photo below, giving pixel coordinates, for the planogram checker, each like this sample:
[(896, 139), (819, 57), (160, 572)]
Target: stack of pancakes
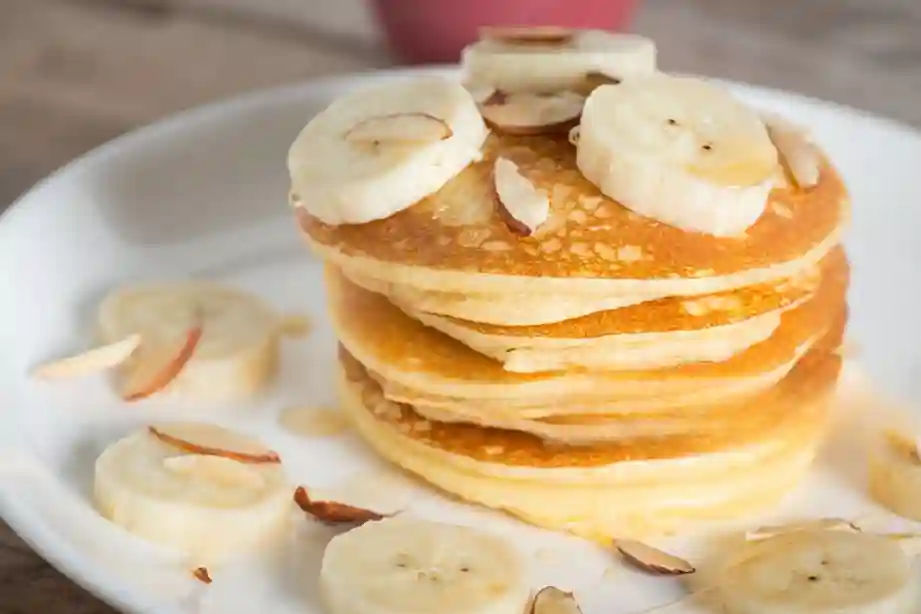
[(607, 375)]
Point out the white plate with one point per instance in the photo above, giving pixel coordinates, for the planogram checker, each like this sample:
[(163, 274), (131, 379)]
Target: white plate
[(204, 194)]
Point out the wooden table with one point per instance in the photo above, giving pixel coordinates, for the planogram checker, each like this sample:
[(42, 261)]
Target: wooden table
[(75, 73)]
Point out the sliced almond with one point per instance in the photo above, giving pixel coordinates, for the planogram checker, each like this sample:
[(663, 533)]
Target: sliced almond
[(652, 560), (593, 80), (573, 136), (524, 206), (201, 574), (910, 543), (213, 440), (481, 93), (526, 113), (798, 154), (551, 600), (528, 35), (399, 128), (333, 512), (818, 524), (153, 376), (296, 326), (92, 361), (903, 444)]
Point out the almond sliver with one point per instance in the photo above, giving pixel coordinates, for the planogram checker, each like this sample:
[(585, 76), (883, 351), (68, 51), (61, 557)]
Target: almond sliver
[(213, 440), (652, 560), (525, 206), (151, 377), (798, 154), (399, 127), (480, 93), (333, 512), (903, 444), (818, 524), (593, 80), (92, 361), (201, 574), (910, 543), (528, 35), (551, 600)]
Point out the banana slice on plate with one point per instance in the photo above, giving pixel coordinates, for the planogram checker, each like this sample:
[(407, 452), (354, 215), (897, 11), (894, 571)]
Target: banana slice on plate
[(895, 474), (199, 488), (679, 150), (523, 59), (377, 151), (815, 572), (413, 566), (198, 339)]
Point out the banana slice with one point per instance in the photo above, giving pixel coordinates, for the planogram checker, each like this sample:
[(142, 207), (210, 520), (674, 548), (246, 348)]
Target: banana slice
[(199, 488), (199, 339), (678, 150), (375, 152), (539, 60), (816, 572), (413, 566), (895, 475)]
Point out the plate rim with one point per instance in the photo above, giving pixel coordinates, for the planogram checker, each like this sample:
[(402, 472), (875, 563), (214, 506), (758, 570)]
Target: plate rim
[(32, 529)]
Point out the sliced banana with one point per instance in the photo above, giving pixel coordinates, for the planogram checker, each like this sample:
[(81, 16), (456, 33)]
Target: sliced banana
[(815, 572), (208, 493), (895, 475), (375, 152), (679, 150), (413, 566), (235, 335), (529, 60)]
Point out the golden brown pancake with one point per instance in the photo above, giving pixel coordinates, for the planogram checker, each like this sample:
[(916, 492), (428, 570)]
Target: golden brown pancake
[(653, 334), (789, 406), (636, 488), (671, 314), (402, 350), (605, 374), (588, 236)]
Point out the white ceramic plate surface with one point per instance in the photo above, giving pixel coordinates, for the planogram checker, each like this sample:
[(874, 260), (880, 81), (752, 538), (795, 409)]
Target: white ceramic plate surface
[(204, 195)]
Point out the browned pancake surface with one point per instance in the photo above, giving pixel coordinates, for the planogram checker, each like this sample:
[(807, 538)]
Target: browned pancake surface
[(794, 410), (587, 235), (395, 339), (675, 313)]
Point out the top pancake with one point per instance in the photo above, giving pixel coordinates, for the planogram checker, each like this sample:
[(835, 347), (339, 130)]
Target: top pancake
[(457, 238)]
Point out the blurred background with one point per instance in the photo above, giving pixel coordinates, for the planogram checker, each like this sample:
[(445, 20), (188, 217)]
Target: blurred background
[(75, 73)]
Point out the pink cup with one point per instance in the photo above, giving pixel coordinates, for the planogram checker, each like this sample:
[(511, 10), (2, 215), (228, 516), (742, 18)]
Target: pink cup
[(435, 31)]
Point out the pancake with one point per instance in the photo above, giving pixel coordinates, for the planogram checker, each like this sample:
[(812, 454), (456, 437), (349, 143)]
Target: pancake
[(510, 308), (649, 335), (456, 241), (552, 353), (628, 488), (402, 350), (536, 408), (584, 429)]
